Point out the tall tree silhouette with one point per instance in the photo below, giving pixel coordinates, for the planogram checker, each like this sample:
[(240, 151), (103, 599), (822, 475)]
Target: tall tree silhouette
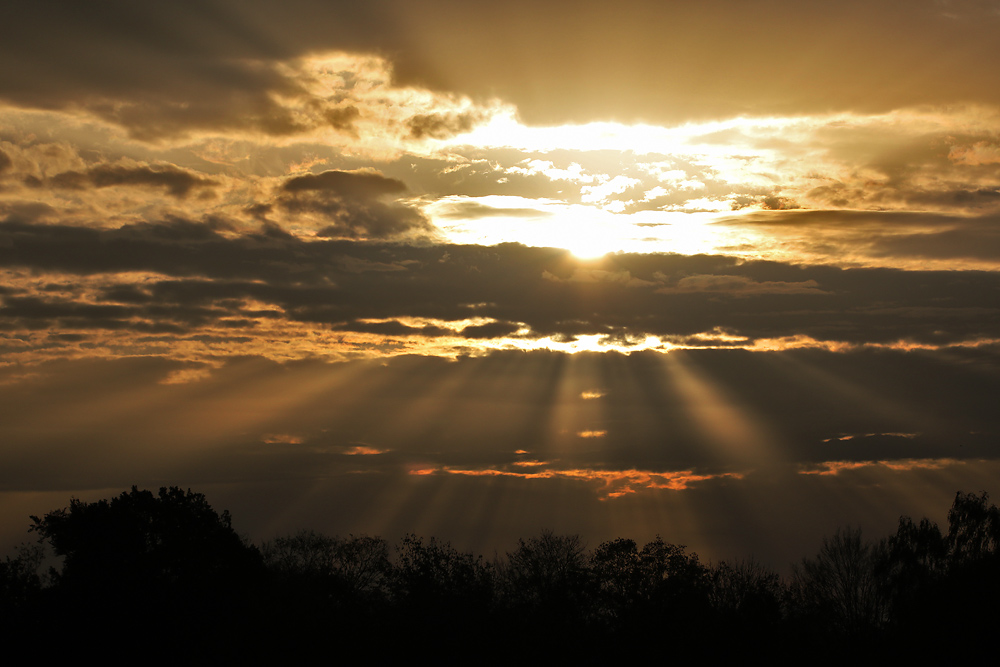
[(973, 528), (150, 565), (619, 578), (137, 539), (747, 591), (548, 573), (839, 588)]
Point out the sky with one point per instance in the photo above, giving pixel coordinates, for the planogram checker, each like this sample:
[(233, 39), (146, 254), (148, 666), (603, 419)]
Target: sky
[(726, 272)]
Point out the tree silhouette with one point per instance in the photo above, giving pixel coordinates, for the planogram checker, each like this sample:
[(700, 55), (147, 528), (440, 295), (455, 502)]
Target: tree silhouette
[(358, 567), (141, 539), (674, 577), (152, 566), (913, 566), (619, 576), (839, 588), (973, 528), (436, 578), (549, 573), (19, 583), (747, 591), (142, 570)]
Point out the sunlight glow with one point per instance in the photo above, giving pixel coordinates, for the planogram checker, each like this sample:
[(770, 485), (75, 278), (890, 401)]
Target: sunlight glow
[(733, 429), (586, 230)]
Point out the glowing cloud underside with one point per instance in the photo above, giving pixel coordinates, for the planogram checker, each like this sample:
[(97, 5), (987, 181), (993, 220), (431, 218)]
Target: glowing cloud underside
[(610, 483)]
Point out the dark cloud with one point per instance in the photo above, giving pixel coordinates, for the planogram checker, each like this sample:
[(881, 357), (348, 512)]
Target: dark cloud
[(882, 168), (884, 234), (348, 185), (27, 211), (441, 125), (155, 117), (956, 199), (776, 203), (970, 239), (341, 282), (745, 197), (392, 328), (736, 285), (157, 73), (475, 210), (354, 205), (343, 119), (904, 194), (177, 182), (492, 330), (210, 63)]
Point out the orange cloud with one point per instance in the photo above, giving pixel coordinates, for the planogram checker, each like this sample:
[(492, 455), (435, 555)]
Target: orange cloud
[(282, 439), (979, 153), (870, 435), (836, 467), (613, 483), (364, 450)]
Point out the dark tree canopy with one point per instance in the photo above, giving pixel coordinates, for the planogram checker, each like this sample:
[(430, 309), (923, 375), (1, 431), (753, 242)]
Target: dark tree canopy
[(162, 568), (138, 536), (973, 528)]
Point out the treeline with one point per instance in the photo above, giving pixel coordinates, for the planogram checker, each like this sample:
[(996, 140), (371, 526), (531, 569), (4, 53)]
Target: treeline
[(163, 576)]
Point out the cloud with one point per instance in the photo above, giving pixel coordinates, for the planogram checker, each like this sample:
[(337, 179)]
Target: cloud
[(837, 467), (352, 204), (737, 285), (443, 125), (183, 275), (343, 119), (976, 154), (475, 210), (967, 239), (215, 68), (357, 185), (363, 450), (593, 275), (246, 87), (491, 330), (610, 483), (176, 182), (901, 238)]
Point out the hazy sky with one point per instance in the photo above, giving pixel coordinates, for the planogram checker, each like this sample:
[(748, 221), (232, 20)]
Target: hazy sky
[(724, 271)]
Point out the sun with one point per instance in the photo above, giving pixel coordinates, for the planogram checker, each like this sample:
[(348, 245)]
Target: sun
[(586, 231), (586, 237)]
